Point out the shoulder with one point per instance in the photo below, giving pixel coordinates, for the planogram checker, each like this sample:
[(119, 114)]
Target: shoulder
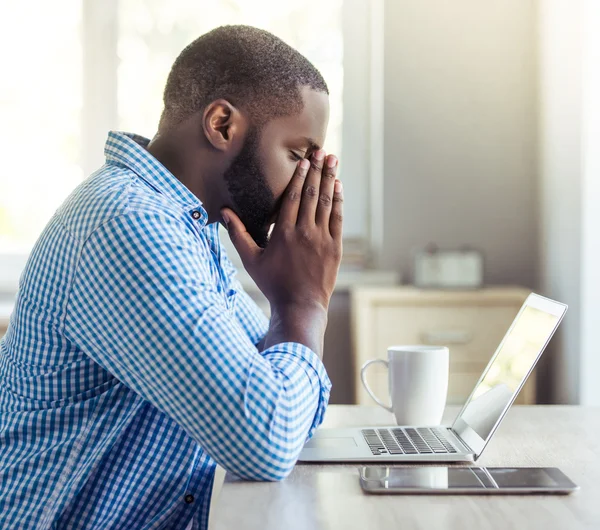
[(116, 193)]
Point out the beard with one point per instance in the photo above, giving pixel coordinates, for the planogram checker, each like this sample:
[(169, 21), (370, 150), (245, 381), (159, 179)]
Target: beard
[(252, 199)]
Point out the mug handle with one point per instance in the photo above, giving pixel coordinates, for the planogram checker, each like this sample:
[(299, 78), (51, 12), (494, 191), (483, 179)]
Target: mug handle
[(363, 378)]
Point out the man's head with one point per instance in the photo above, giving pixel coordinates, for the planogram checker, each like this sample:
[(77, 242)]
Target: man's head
[(244, 107)]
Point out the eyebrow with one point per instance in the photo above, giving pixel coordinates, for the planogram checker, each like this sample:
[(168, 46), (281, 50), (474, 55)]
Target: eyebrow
[(312, 145)]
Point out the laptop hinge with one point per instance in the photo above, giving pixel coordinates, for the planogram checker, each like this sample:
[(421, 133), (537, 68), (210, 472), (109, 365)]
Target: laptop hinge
[(465, 444)]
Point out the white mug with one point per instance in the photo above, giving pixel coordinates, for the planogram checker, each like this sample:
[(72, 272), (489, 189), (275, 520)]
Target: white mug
[(418, 383)]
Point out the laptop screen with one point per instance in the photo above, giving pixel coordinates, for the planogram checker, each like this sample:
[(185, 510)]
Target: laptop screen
[(508, 370)]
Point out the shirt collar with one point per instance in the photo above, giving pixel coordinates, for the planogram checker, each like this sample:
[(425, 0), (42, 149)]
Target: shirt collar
[(129, 150)]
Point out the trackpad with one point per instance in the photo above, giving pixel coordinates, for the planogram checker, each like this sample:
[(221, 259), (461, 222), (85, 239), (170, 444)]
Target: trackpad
[(323, 442)]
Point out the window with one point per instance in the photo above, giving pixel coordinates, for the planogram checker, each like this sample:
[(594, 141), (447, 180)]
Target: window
[(40, 112), (82, 67)]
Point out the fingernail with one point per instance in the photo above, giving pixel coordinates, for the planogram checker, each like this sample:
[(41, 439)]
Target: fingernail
[(338, 186), (304, 163), (319, 155), (331, 161), (225, 217)]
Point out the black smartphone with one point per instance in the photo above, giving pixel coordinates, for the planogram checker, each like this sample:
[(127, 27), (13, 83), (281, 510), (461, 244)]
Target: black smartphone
[(460, 480)]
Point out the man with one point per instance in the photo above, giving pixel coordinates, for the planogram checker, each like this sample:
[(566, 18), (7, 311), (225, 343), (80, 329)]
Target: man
[(134, 362)]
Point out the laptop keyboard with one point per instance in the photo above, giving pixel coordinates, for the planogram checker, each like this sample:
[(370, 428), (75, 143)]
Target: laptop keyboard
[(408, 440)]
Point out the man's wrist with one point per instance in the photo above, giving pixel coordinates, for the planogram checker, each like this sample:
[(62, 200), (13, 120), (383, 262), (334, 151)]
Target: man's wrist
[(312, 311), (302, 323)]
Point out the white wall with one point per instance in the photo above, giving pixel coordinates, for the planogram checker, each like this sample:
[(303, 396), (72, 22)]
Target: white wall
[(590, 274), (486, 144), (589, 368), (460, 132), (560, 181), (570, 188)]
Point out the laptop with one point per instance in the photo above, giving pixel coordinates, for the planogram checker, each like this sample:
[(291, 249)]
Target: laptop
[(465, 440)]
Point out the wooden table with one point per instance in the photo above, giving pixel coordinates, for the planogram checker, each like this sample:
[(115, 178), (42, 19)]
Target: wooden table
[(316, 496)]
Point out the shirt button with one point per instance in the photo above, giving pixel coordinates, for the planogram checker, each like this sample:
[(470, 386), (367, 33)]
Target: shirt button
[(196, 214), (189, 498)]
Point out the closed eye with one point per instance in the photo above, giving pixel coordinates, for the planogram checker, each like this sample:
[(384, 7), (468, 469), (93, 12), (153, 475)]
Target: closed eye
[(296, 157)]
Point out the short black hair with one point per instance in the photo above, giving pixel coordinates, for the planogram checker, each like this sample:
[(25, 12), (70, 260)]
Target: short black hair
[(250, 67)]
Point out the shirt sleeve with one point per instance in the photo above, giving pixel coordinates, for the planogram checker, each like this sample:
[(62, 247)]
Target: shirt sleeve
[(145, 307), (249, 315)]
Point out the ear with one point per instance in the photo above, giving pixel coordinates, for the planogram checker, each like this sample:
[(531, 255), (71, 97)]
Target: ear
[(222, 124)]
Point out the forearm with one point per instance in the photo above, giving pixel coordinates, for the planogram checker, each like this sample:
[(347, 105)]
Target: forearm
[(302, 324)]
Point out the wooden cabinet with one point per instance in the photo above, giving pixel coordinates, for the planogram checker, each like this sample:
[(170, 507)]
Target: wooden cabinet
[(470, 323)]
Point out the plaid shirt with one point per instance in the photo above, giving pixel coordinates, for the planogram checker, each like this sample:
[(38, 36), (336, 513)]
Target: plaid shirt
[(130, 363)]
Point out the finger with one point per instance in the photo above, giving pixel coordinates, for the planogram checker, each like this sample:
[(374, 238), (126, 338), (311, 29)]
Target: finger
[(310, 193), (241, 239), (288, 213), (337, 210), (326, 191)]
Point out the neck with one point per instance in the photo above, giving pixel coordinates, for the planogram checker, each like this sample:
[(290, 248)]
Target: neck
[(170, 150)]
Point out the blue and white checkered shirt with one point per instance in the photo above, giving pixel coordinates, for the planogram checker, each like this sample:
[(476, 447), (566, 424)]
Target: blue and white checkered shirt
[(130, 364)]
